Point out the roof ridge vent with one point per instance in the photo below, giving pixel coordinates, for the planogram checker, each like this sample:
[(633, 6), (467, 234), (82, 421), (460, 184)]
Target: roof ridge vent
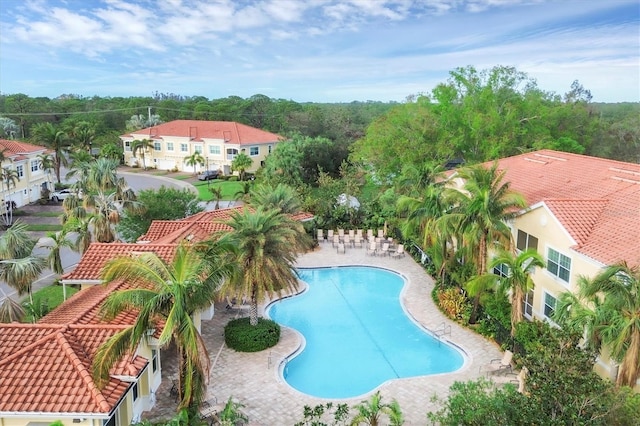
[(625, 180), (534, 161), (619, 170), (550, 157)]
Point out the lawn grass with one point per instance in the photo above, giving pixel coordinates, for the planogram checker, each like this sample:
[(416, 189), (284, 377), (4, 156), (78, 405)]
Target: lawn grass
[(51, 295), (44, 228), (229, 189), (37, 214)]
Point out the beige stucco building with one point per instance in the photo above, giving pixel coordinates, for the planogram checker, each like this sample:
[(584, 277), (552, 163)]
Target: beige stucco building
[(583, 214), (217, 141), (22, 158)]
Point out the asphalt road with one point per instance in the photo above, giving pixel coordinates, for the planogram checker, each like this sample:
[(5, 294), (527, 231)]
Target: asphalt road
[(137, 181)]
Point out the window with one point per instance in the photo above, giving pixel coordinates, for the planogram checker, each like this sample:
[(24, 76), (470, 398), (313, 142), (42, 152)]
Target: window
[(501, 270), (127, 145), (134, 391), (157, 146), (198, 149), (214, 149), (254, 150), (35, 165), (169, 146), (559, 264), (526, 241), (528, 304), (231, 153), (184, 147), (549, 305), (20, 171), (154, 360), (269, 147)]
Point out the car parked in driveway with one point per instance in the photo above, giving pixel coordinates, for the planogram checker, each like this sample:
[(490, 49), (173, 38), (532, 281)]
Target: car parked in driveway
[(208, 175), (62, 194)]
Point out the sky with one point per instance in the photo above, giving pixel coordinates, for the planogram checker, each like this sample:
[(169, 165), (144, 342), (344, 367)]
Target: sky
[(313, 50)]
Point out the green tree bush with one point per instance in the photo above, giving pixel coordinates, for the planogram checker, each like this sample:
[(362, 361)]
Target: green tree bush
[(241, 336)]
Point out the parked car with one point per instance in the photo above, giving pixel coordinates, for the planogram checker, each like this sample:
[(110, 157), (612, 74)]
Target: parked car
[(208, 175), (62, 194)]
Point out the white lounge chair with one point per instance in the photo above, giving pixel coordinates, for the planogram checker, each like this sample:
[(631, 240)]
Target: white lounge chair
[(357, 241), (399, 251), (384, 250), (499, 364), (341, 248), (372, 248), (320, 235)]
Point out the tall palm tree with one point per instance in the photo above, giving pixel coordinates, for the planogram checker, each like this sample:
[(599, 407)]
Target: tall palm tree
[(241, 163), (244, 193), (281, 197), (141, 146), (518, 281), (607, 306), (18, 266), (169, 293), (484, 205), (84, 133), (55, 139), (263, 245), (194, 160), (80, 227), (46, 164), (8, 179), (58, 241)]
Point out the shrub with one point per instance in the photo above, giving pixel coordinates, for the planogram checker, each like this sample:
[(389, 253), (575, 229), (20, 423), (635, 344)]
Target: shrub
[(244, 337), (233, 178), (454, 304)]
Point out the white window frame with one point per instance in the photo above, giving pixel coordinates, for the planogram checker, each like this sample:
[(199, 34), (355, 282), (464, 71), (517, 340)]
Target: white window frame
[(184, 147), (252, 153), (35, 166), (544, 305), (157, 146), (527, 304), (20, 171), (198, 149), (558, 265), (501, 270), (127, 146), (214, 149), (154, 360), (169, 146)]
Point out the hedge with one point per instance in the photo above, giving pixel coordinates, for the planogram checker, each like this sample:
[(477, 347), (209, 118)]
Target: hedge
[(241, 336)]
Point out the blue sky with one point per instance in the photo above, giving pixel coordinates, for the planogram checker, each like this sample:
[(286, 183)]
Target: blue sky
[(312, 50)]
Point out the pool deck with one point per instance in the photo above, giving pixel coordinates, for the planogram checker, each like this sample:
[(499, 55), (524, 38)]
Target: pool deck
[(253, 379)]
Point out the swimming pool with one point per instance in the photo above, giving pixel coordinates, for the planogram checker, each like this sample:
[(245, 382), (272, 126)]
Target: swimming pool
[(357, 334)]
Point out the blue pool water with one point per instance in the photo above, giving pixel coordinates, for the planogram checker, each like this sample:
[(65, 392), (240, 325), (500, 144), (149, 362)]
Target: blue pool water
[(357, 334)]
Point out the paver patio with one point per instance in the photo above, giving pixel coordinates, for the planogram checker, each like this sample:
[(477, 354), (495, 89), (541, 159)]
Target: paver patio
[(253, 378)]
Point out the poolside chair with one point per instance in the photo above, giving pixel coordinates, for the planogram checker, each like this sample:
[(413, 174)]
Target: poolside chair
[(336, 240), (520, 379), (352, 233), (341, 232), (357, 241), (372, 248), (330, 234), (320, 235), (359, 232), (369, 234), (384, 250), (499, 364), (341, 248), (399, 251), (347, 240), (380, 233)]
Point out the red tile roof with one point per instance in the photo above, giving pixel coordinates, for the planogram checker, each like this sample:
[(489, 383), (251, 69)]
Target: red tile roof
[(595, 199), (17, 148), (98, 254), (46, 368), (229, 131)]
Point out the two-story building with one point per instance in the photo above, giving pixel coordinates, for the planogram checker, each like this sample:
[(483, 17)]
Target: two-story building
[(217, 141), (22, 158), (583, 214)]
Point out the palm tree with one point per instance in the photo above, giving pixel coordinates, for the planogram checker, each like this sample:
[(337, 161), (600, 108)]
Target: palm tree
[(8, 178), (371, 411), (263, 245), (19, 267), (46, 164), (244, 193), (282, 198), (216, 192), (241, 162), (193, 160), (607, 308), (80, 227), (169, 294), (518, 281), (57, 140), (141, 147), (84, 133), (484, 205), (58, 241)]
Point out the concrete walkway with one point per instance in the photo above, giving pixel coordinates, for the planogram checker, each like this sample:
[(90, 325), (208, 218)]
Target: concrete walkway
[(253, 378)]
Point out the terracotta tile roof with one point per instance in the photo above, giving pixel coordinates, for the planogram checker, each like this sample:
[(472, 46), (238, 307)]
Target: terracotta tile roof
[(45, 368), (98, 254), (197, 130), (14, 149), (596, 200)]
